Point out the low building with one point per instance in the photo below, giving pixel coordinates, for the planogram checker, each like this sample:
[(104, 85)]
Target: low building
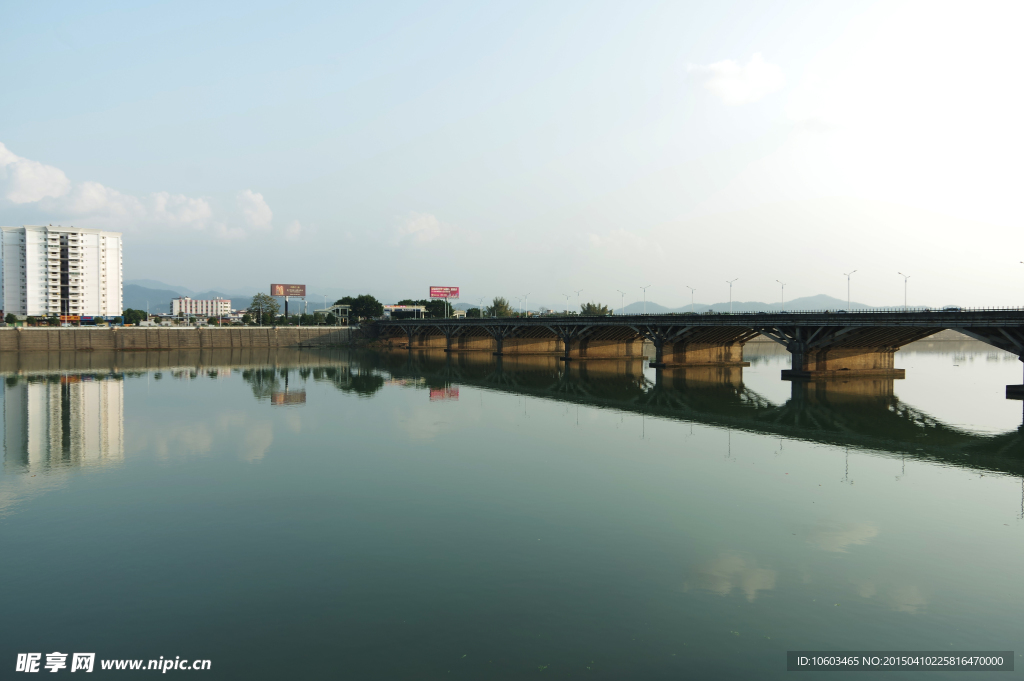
[(405, 311), (186, 307), (342, 313)]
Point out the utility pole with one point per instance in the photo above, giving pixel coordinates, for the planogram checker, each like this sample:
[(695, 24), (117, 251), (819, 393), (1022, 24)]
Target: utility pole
[(622, 302), (645, 296), (848, 275), (905, 277), (783, 295), (730, 292), (692, 289)]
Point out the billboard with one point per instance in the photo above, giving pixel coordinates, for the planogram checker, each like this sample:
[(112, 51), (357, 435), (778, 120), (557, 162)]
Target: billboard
[(444, 292), (297, 290)]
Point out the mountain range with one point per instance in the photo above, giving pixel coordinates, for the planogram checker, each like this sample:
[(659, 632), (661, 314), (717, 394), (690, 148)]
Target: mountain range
[(156, 296)]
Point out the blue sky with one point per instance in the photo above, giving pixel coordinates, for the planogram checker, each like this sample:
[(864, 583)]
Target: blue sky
[(528, 148)]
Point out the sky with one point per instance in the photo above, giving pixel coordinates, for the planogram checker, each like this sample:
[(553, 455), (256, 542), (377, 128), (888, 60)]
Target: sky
[(526, 148)]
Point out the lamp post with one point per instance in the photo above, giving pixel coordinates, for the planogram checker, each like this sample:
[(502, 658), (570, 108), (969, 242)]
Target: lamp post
[(622, 301), (730, 283), (848, 275), (905, 277), (578, 301), (566, 295), (645, 296), (526, 301), (783, 295), (692, 289)]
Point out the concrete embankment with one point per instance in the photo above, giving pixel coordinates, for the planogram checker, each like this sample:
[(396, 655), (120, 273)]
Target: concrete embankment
[(164, 338)]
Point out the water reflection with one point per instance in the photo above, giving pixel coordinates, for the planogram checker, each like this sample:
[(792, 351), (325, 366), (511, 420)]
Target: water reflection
[(60, 405), (863, 413), (62, 420)]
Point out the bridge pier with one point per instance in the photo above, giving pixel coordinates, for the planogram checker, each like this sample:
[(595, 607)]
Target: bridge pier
[(689, 345), (830, 352), (842, 363)]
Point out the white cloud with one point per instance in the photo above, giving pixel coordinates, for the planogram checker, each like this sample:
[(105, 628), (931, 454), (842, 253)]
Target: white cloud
[(735, 83), (255, 209), (91, 204), (26, 181), (293, 230), (420, 228)]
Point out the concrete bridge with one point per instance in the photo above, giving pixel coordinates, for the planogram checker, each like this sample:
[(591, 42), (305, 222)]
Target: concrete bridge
[(823, 345)]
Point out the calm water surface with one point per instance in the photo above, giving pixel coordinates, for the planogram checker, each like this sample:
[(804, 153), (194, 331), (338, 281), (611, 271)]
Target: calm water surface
[(352, 515)]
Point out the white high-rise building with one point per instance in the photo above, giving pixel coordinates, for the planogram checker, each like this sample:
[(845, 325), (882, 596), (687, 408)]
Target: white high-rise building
[(61, 270)]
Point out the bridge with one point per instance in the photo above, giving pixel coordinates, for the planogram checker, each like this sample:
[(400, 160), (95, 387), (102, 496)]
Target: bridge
[(823, 345)]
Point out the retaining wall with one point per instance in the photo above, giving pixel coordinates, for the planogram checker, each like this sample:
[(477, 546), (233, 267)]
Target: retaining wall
[(169, 338)]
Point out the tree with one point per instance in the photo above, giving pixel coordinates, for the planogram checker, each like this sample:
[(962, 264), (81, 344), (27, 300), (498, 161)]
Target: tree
[(265, 308), (134, 316), (331, 319), (474, 312), (363, 307), (247, 319), (318, 318), (499, 307), (10, 318), (594, 309), (212, 321), (118, 320)]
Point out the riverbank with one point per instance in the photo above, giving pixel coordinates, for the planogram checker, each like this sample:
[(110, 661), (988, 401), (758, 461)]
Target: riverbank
[(168, 338)]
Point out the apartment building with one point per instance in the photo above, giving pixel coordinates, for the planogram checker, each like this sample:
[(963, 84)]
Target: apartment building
[(61, 270), (186, 307)]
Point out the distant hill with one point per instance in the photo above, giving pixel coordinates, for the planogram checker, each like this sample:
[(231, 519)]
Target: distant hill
[(805, 304), (159, 300)]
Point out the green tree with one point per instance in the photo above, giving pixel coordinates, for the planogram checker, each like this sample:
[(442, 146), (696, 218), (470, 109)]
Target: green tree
[(212, 321), (318, 318), (363, 307), (134, 316), (264, 308), (331, 319), (247, 319), (594, 309), (117, 320), (499, 307), (474, 312), (10, 318)]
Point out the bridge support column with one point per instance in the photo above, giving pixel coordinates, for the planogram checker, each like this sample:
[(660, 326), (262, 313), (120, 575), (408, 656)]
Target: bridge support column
[(1015, 392), (841, 363)]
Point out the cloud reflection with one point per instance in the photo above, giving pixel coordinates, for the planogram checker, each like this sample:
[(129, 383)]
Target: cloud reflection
[(728, 573)]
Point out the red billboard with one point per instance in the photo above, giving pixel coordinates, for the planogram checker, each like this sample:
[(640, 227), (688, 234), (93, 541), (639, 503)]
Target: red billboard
[(282, 398), (444, 292), (297, 290)]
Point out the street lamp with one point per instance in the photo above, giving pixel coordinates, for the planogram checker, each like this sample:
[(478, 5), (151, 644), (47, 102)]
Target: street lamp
[(622, 302), (566, 304), (692, 289), (905, 277), (578, 301), (848, 275), (730, 292), (645, 296), (783, 295), (526, 300)]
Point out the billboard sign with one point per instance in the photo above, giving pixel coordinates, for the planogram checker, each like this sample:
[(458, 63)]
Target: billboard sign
[(280, 290), (447, 292)]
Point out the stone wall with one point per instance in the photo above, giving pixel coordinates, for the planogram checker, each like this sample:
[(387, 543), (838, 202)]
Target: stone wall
[(168, 338)]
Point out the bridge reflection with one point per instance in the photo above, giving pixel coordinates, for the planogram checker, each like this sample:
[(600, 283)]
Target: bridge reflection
[(862, 413)]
